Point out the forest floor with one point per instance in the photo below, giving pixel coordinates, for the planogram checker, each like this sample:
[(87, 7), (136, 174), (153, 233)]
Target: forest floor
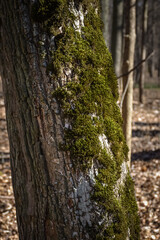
[(145, 169)]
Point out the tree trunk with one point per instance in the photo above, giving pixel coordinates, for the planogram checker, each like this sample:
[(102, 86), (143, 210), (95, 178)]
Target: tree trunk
[(107, 17), (128, 62), (150, 37), (143, 50), (68, 153), (117, 35)]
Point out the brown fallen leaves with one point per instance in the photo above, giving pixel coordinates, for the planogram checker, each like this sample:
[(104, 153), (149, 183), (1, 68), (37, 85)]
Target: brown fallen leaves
[(147, 187), (8, 224), (146, 165)]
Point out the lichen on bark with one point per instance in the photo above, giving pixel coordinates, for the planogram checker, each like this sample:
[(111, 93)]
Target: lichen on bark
[(81, 69)]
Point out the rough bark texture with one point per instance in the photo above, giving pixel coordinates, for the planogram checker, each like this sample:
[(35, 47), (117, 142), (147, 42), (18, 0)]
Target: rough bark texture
[(128, 62), (68, 152)]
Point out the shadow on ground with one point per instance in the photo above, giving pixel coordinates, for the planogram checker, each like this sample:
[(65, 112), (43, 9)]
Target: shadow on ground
[(142, 133), (146, 155)]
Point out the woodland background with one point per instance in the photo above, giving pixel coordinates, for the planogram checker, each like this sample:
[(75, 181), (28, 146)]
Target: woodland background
[(145, 167)]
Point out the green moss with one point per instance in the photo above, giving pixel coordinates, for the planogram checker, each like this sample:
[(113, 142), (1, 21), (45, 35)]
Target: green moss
[(130, 208), (52, 14), (48, 10), (88, 101)]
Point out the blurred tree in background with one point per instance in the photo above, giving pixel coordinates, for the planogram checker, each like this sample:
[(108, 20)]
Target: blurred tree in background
[(141, 67)]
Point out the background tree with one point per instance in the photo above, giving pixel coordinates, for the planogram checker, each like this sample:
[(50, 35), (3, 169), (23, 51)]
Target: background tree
[(147, 35), (107, 17), (112, 16), (128, 64), (68, 152), (143, 49), (117, 35)]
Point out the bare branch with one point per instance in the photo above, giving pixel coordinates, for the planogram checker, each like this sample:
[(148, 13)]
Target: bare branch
[(136, 66), (125, 74)]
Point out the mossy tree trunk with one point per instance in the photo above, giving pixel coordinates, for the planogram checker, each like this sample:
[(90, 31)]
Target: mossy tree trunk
[(128, 64), (68, 153)]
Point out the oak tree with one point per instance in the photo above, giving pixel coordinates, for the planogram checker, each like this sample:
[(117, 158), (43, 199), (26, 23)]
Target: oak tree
[(68, 152)]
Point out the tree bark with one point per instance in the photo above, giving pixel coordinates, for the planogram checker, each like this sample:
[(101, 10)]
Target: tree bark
[(150, 36), (68, 153), (107, 17), (143, 49), (117, 35), (128, 63)]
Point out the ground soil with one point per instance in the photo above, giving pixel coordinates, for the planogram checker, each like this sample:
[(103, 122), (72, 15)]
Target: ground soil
[(145, 168)]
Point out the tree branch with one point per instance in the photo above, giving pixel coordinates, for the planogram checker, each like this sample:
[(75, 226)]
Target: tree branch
[(125, 74), (136, 66)]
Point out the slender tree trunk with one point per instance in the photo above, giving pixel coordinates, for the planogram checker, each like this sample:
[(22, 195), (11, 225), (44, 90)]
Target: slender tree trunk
[(0, 86), (143, 50), (156, 44), (128, 62), (107, 17), (68, 153), (150, 36), (117, 32)]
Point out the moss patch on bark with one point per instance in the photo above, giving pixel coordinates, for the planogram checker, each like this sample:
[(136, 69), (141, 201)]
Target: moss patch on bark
[(88, 97)]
